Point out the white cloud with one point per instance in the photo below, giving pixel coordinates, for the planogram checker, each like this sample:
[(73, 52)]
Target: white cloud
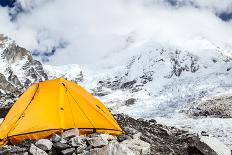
[(91, 29)]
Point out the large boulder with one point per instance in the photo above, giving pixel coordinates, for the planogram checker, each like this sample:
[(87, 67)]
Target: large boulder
[(77, 141), (97, 141), (138, 146), (60, 146), (55, 138), (36, 151), (122, 137), (68, 151), (70, 133), (212, 146), (80, 149), (113, 148), (108, 137), (44, 144)]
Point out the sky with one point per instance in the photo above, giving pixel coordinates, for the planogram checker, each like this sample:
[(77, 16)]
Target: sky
[(86, 31)]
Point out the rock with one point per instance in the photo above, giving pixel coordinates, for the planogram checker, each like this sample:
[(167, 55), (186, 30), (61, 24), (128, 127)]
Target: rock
[(152, 121), (130, 101), (77, 141), (107, 137), (26, 143), (121, 138), (137, 146), (16, 149), (211, 146), (36, 151), (128, 84), (44, 144), (4, 152), (166, 131), (140, 119), (55, 138), (68, 151), (88, 148), (137, 135), (113, 148), (130, 130), (203, 133), (218, 106), (80, 149), (70, 133), (60, 146), (97, 141), (63, 141)]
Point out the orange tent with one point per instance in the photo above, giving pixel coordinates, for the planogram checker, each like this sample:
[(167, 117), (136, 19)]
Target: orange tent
[(54, 106)]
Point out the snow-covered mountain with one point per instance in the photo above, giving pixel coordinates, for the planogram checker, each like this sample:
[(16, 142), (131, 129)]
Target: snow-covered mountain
[(161, 82), (18, 70), (144, 79)]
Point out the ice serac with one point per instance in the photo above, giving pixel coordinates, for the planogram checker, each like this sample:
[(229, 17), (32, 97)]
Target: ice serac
[(18, 69)]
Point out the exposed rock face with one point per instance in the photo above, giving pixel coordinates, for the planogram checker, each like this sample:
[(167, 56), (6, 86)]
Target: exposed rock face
[(220, 106), (18, 69), (5, 85), (163, 64)]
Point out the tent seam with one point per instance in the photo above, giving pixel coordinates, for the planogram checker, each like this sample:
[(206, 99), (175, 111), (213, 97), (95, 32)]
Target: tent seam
[(79, 106)]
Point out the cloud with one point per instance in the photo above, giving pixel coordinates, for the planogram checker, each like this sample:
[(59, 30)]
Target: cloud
[(85, 31)]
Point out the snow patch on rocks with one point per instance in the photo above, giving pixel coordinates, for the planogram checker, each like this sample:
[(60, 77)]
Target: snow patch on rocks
[(219, 147)]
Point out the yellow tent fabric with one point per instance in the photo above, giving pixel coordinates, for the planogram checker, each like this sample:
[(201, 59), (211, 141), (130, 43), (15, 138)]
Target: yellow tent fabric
[(54, 106)]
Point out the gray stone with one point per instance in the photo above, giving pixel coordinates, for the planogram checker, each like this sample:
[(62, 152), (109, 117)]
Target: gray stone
[(68, 151), (88, 148), (36, 151), (80, 149), (64, 141), (204, 133), (97, 141), (130, 101), (44, 144), (77, 141), (152, 121), (70, 133), (121, 138), (16, 149), (60, 146), (4, 152), (130, 130), (136, 145), (108, 137), (55, 138), (113, 148)]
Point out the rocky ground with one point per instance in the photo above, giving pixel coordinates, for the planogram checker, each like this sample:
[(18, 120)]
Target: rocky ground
[(142, 138), (219, 106)]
